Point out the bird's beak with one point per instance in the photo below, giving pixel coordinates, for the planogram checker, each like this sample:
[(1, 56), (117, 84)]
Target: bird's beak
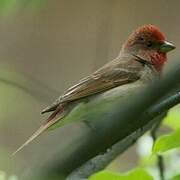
[(166, 47)]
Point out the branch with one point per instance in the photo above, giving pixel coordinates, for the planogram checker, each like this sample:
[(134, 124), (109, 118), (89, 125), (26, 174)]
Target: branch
[(33, 87), (101, 161), (160, 160), (111, 120)]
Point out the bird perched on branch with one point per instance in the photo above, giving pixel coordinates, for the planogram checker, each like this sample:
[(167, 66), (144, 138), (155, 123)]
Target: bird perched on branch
[(141, 59)]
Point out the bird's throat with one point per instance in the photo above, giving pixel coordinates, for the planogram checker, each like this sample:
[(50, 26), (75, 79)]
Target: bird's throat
[(158, 59)]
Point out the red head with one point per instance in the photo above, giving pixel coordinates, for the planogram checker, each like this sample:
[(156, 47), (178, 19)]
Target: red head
[(149, 43)]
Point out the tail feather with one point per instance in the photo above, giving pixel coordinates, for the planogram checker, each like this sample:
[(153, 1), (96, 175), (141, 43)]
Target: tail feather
[(50, 121), (49, 108)]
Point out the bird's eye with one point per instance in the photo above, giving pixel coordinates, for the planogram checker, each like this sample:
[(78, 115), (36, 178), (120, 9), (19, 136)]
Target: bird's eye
[(141, 39), (149, 44)]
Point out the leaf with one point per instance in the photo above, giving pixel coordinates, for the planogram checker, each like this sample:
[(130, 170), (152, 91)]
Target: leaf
[(177, 177), (167, 142), (172, 119), (139, 174)]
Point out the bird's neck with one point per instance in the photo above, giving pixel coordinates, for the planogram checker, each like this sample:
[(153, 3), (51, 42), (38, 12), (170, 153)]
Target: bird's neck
[(158, 59)]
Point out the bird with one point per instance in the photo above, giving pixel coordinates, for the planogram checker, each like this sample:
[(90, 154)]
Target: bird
[(141, 60)]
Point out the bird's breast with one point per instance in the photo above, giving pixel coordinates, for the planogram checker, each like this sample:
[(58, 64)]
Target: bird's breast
[(148, 74)]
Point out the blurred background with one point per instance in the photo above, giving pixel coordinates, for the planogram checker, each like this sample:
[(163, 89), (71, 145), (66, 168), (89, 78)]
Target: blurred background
[(46, 46)]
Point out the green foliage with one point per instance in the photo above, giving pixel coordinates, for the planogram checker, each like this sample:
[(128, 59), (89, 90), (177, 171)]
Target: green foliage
[(167, 142), (177, 177), (7, 7), (139, 174), (34, 3), (172, 119)]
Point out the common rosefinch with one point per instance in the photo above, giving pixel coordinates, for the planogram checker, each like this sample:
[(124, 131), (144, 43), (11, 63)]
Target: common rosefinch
[(141, 59)]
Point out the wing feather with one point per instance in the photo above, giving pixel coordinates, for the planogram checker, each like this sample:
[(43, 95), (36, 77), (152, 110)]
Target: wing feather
[(115, 73)]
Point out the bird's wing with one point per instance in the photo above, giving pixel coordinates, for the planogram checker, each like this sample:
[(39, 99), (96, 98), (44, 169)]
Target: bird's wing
[(115, 73)]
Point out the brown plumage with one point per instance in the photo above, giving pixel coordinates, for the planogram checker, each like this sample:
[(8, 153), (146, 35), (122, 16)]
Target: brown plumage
[(141, 59)]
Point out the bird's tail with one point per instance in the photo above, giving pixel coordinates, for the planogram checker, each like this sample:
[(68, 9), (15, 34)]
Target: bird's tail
[(49, 122)]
